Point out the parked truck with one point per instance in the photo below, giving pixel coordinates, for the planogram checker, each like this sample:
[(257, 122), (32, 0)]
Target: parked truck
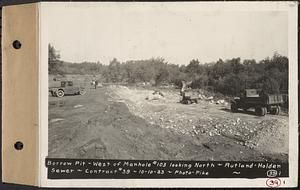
[(262, 102), (67, 88)]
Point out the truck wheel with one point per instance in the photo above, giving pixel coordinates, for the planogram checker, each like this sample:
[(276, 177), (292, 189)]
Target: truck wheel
[(277, 110), (261, 111), (53, 94), (60, 93), (265, 110), (82, 92), (234, 107)]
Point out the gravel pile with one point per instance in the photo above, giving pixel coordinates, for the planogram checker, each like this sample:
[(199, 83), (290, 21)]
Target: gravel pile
[(176, 118)]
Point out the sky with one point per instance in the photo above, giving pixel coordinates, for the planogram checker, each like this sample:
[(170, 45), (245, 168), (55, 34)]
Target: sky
[(103, 31)]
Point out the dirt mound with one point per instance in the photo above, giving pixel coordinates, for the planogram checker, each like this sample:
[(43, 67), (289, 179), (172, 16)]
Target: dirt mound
[(109, 130), (200, 123), (119, 123), (273, 138)]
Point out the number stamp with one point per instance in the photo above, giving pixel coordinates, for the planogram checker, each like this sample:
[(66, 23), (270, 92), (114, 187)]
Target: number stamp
[(273, 182), (272, 173)]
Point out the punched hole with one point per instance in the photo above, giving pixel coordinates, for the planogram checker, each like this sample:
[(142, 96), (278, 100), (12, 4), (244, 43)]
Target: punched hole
[(17, 44), (19, 145)]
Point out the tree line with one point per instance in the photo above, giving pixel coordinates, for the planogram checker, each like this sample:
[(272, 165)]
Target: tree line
[(228, 77)]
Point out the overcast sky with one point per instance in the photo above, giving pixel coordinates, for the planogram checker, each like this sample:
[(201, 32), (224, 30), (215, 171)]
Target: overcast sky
[(102, 31)]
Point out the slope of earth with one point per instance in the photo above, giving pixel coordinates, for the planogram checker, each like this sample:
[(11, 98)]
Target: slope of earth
[(118, 123), (212, 125)]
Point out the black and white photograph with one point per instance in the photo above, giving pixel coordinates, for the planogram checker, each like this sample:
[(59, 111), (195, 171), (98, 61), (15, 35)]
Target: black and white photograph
[(168, 81)]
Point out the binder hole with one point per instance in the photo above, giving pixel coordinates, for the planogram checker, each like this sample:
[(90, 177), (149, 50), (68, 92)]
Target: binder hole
[(17, 44), (19, 145)]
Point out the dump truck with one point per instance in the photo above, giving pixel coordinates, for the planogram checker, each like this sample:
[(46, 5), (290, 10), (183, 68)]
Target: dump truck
[(262, 102), (66, 88)]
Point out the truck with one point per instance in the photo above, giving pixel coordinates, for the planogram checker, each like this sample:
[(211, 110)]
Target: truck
[(66, 88), (261, 101)]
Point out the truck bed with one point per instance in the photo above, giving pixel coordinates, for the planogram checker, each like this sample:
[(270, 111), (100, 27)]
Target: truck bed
[(275, 99), (270, 99)]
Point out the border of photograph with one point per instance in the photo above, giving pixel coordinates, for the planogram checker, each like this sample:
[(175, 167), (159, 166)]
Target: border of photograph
[(291, 181)]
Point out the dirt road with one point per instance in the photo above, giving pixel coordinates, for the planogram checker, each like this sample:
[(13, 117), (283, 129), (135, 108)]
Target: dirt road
[(119, 123)]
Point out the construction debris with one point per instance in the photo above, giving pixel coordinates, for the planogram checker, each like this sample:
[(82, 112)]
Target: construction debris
[(56, 120), (78, 106), (156, 95)]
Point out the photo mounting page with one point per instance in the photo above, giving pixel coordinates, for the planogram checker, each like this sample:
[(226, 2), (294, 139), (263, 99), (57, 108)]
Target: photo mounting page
[(169, 94)]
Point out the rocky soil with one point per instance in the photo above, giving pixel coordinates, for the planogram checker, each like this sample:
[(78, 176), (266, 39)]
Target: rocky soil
[(118, 122)]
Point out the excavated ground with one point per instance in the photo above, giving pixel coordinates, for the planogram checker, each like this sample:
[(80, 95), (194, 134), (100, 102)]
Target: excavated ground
[(118, 122)]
